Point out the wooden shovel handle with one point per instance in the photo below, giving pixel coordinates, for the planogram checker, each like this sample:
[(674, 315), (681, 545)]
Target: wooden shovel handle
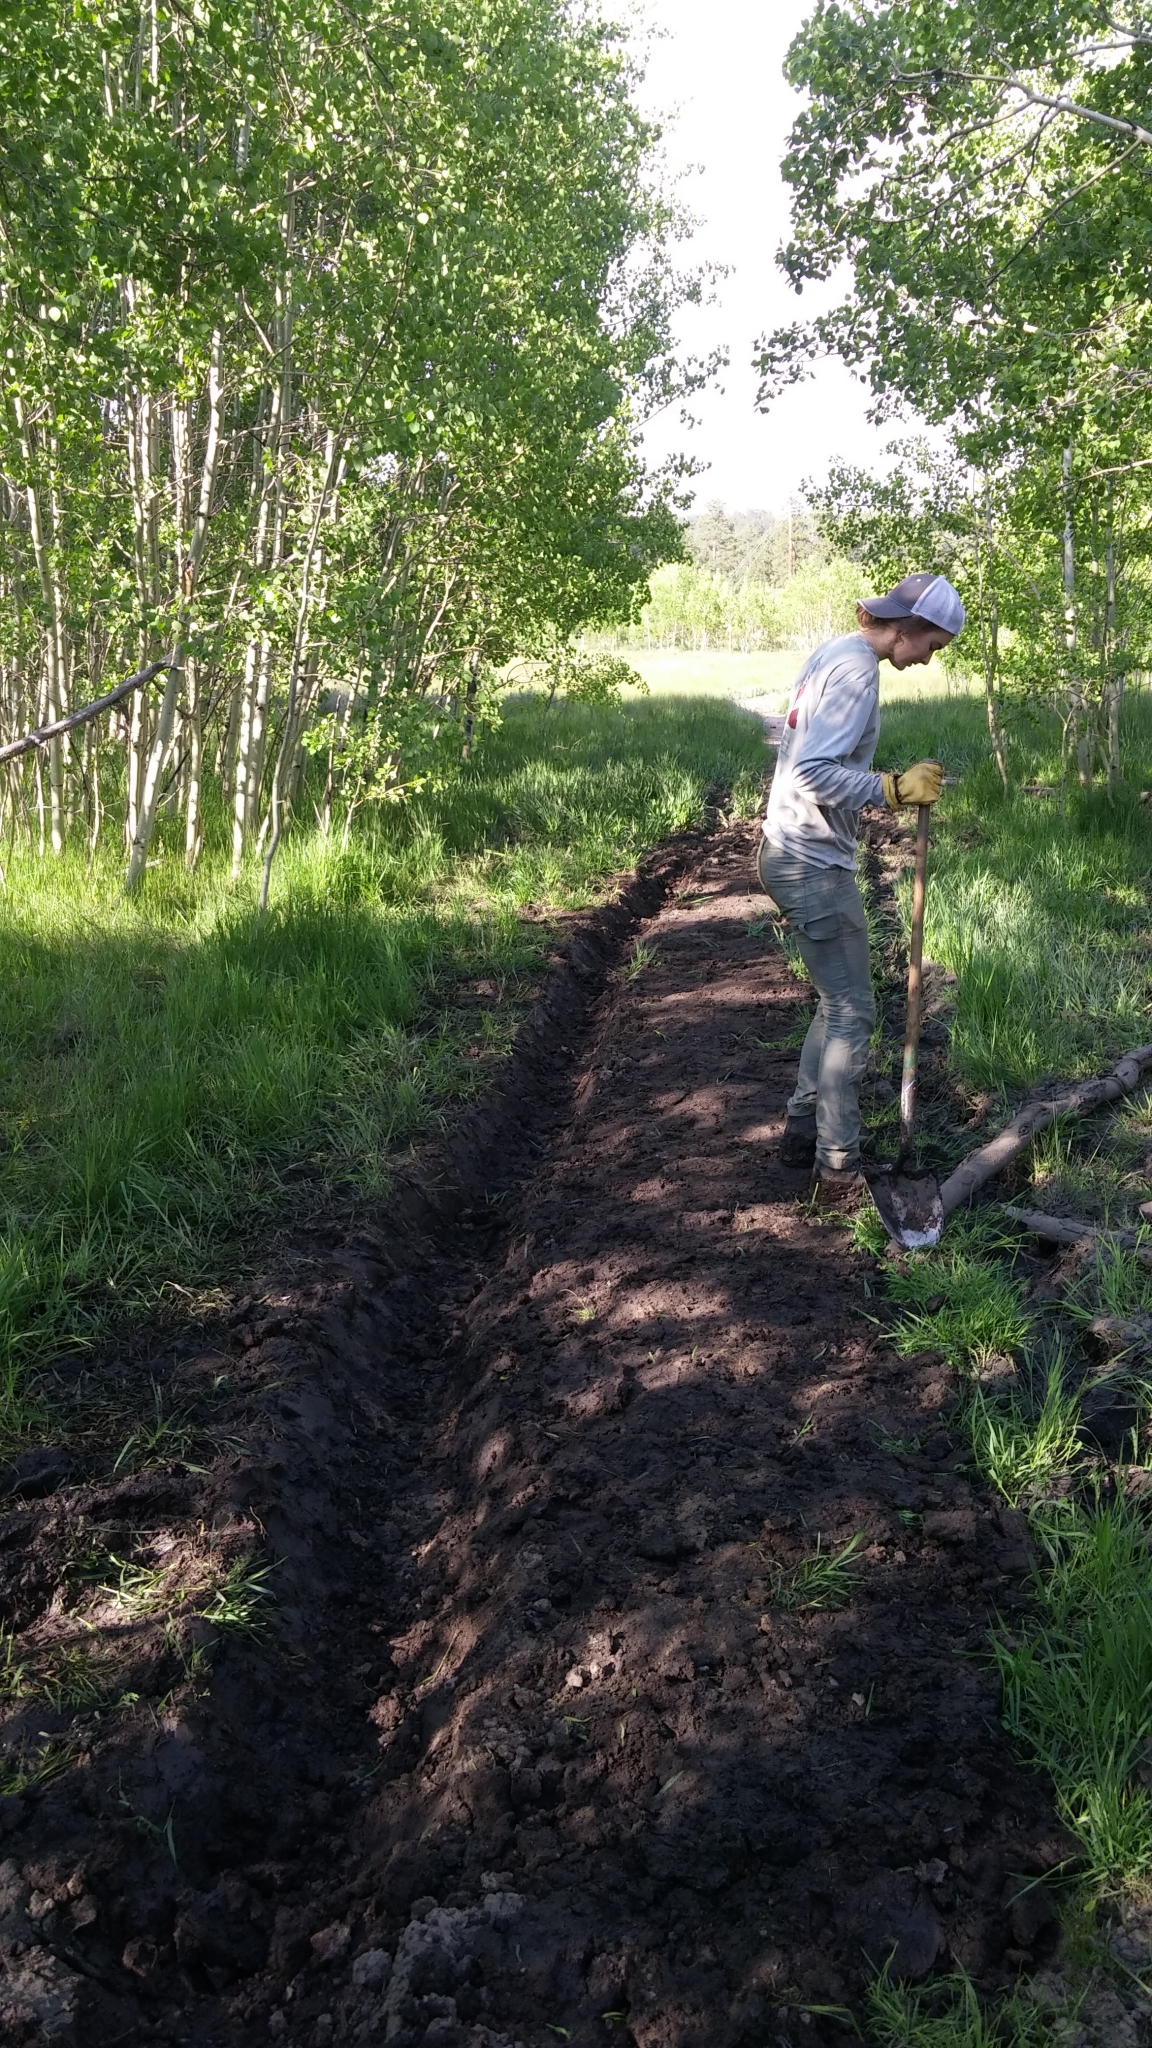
[(915, 985)]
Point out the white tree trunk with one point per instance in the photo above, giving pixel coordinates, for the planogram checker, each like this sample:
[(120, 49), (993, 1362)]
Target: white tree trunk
[(313, 558), (190, 567)]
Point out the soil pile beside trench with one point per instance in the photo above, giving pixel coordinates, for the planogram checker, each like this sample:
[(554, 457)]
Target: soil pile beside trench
[(542, 1742)]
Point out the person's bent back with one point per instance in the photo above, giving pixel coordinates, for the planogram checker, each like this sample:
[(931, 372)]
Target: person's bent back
[(824, 778)]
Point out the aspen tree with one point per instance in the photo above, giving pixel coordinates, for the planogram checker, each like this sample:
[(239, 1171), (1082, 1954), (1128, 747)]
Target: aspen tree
[(983, 177)]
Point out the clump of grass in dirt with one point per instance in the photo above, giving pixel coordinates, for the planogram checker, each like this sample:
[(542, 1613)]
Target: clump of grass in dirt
[(161, 1438), (643, 955), (70, 1677), (1116, 1283), (868, 1233), (826, 1579), (35, 1763), (235, 1598), (173, 1072), (795, 1034), (81, 1667), (1078, 1681), (948, 2014), (1023, 1447), (958, 1302), (238, 1604)]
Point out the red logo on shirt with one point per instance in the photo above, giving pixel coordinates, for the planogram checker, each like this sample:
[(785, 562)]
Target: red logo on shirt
[(791, 720)]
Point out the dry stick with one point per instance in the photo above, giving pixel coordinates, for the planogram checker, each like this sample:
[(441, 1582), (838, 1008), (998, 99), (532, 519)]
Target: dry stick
[(992, 1158), (32, 740), (1074, 1229)]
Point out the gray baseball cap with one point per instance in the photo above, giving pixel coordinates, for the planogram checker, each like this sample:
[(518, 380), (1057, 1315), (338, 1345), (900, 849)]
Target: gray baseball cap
[(920, 596)]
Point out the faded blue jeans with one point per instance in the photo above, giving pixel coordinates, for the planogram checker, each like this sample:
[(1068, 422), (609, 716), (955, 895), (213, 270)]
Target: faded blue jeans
[(826, 917)]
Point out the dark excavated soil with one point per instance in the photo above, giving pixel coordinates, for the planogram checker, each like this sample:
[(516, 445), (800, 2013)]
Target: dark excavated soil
[(531, 1751)]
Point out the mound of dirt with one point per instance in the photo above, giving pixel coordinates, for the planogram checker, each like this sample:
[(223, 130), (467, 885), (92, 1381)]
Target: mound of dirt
[(619, 1681)]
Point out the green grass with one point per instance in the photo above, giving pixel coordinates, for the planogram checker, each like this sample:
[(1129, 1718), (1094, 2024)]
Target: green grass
[(716, 672), (174, 1073), (641, 957), (1078, 1682), (960, 1303), (823, 1580), (1024, 1447), (949, 2014), (1038, 905), (1115, 1284)]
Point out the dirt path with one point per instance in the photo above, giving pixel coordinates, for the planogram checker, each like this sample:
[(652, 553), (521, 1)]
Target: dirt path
[(534, 1752)]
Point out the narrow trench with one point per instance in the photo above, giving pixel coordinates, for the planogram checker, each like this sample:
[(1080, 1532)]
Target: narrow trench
[(549, 1740)]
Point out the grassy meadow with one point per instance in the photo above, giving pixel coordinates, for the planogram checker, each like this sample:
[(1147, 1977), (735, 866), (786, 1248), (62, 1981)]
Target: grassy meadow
[(672, 672), (770, 675), (178, 1081), (175, 1074)]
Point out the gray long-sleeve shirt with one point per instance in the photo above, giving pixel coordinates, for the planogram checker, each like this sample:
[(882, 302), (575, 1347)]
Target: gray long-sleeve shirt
[(824, 766)]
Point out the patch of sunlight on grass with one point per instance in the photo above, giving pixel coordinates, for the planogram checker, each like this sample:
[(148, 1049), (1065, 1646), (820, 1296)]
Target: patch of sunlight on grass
[(723, 672), (716, 671), (1067, 1179), (1116, 1283)]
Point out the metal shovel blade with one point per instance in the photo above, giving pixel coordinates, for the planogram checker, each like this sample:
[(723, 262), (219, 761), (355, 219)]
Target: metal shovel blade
[(908, 1205)]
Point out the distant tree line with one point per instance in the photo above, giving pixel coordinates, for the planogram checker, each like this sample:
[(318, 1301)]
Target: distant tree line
[(750, 581)]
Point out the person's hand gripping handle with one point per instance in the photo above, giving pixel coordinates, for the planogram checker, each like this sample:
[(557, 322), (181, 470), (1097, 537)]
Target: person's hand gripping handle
[(919, 784)]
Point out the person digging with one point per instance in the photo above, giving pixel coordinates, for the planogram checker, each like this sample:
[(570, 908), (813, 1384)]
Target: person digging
[(807, 858)]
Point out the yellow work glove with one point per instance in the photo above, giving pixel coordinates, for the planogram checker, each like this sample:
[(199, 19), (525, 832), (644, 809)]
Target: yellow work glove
[(920, 784)]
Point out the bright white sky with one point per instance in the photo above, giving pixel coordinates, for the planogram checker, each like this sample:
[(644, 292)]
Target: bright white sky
[(715, 75)]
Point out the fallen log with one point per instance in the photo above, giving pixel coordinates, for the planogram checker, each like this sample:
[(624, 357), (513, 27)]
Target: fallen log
[(31, 740), (1073, 1230), (992, 1158)]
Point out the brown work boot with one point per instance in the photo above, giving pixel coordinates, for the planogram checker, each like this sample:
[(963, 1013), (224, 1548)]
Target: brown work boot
[(837, 1188), (798, 1145)]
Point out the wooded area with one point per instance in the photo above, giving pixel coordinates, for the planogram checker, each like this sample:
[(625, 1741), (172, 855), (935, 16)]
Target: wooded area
[(327, 332)]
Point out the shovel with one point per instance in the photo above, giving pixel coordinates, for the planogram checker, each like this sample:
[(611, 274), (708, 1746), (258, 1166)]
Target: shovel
[(908, 1202)]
